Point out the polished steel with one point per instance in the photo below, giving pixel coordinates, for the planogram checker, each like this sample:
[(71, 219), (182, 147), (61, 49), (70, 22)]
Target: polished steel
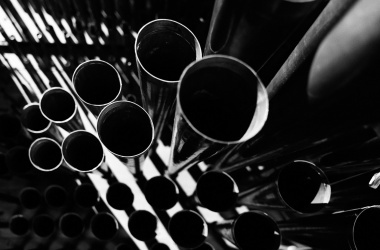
[(188, 229), (82, 151), (354, 229), (97, 83), (45, 154), (59, 106), (159, 93), (299, 186), (36, 124), (189, 144), (250, 230), (127, 131)]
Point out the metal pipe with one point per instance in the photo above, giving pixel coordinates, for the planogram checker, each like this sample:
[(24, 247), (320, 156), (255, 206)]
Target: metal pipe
[(59, 106), (97, 84), (216, 191), (127, 131), (352, 188), (188, 229), (4, 171), (163, 49), (71, 225), (30, 198), (45, 154), (159, 246), (19, 225), (43, 226), (221, 102), (16, 226), (12, 133), (300, 186), (104, 226), (161, 192), (143, 225), (348, 229), (86, 195), (56, 196), (120, 196), (253, 229), (36, 124), (82, 151)]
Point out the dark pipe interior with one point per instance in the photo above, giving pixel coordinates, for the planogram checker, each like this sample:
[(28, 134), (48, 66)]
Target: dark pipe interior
[(216, 191), (142, 224), (19, 225), (33, 119), (30, 198), (97, 83), (161, 193), (58, 105), (71, 225), (187, 229), (367, 229), (255, 230), (56, 196), (83, 151), (43, 225), (86, 195), (46, 154), (104, 226), (125, 129), (119, 196), (299, 183)]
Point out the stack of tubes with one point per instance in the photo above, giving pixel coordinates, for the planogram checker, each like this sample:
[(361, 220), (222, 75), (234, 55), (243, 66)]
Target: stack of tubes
[(256, 100)]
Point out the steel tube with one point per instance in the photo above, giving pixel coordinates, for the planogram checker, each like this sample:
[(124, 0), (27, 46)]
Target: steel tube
[(220, 102), (97, 83), (163, 49), (127, 131), (59, 106)]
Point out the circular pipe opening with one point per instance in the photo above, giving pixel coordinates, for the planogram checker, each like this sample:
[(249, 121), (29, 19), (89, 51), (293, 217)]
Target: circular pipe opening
[(161, 192)]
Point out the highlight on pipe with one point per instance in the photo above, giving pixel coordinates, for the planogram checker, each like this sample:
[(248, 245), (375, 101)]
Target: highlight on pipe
[(45, 154)]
